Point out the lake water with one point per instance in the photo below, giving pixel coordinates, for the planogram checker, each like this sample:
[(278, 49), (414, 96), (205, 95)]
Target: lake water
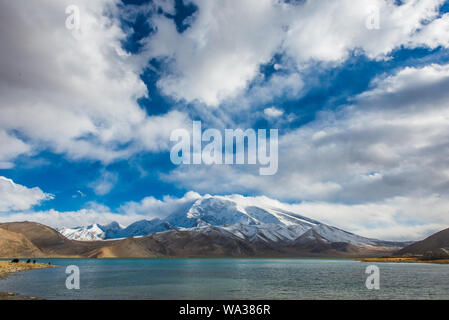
[(231, 279)]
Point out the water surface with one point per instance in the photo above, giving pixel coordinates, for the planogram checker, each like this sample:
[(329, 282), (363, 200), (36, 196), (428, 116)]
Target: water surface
[(231, 279)]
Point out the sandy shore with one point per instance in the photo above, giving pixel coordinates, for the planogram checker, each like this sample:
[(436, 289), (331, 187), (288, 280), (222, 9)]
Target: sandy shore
[(404, 260), (7, 268)]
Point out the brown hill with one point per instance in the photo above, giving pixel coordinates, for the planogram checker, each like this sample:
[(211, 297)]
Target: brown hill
[(176, 243), (17, 245), (29, 239), (434, 243), (39, 234), (43, 241), (48, 241), (126, 248)]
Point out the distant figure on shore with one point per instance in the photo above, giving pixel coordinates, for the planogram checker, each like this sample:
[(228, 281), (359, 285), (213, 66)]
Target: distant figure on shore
[(29, 260), (15, 260), (49, 263), (34, 261)]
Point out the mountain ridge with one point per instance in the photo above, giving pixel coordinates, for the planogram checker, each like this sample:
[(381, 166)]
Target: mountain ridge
[(199, 242), (209, 227), (246, 220)]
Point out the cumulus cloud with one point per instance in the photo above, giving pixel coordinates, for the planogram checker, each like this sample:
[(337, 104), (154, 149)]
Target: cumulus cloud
[(148, 208), (328, 31), (220, 53), (386, 151), (75, 92), (389, 142), (155, 208), (72, 92), (10, 148), (71, 219), (15, 197)]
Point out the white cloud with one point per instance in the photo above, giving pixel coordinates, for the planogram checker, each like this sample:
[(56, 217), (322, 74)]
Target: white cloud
[(328, 31), (288, 86), (15, 197), (155, 208), (147, 208), (105, 183), (219, 55), (78, 194), (273, 112), (435, 34), (400, 218), (394, 219), (70, 219), (221, 52), (10, 148), (390, 142), (385, 153), (75, 95)]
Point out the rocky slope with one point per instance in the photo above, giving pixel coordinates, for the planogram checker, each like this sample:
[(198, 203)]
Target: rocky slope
[(434, 247)]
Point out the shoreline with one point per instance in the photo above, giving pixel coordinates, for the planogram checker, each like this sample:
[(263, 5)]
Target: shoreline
[(404, 260), (195, 258), (7, 268)]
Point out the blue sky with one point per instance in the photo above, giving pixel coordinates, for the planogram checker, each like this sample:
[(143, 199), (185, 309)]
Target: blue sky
[(87, 114)]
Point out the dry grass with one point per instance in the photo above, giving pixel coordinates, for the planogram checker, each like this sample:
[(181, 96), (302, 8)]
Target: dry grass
[(404, 260), (7, 267)]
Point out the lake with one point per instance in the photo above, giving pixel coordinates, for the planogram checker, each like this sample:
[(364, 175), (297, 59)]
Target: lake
[(231, 279)]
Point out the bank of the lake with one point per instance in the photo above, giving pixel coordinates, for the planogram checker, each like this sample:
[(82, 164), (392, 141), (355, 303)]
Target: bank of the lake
[(7, 268), (405, 260)]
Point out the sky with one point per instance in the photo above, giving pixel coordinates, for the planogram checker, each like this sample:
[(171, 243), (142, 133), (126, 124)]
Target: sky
[(357, 90)]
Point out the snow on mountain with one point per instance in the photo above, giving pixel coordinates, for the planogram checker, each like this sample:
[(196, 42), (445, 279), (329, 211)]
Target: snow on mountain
[(87, 233), (330, 234), (115, 231), (145, 227), (266, 232), (243, 217)]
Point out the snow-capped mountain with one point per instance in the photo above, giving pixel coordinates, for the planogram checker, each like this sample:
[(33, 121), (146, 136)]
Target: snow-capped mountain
[(87, 233), (237, 215), (94, 232), (145, 227)]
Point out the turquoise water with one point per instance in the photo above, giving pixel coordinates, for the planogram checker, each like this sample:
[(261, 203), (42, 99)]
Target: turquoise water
[(231, 279)]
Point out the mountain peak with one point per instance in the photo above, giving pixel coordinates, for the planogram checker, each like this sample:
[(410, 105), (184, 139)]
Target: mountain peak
[(114, 225), (249, 219)]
